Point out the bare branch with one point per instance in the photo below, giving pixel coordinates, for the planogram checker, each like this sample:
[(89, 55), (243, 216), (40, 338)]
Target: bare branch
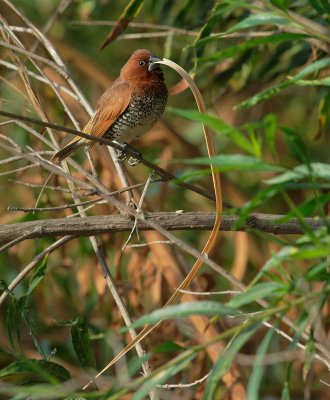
[(89, 226)]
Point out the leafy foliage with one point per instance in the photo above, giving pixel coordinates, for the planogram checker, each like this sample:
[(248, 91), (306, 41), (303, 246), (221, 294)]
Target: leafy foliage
[(264, 72)]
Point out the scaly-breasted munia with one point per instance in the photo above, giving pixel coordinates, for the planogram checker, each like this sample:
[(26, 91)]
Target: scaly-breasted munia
[(131, 106)]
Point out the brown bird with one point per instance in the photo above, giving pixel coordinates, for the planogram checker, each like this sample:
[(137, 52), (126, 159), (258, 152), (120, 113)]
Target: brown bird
[(130, 107)]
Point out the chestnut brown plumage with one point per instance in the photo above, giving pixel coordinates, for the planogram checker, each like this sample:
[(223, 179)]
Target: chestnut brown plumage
[(131, 106)]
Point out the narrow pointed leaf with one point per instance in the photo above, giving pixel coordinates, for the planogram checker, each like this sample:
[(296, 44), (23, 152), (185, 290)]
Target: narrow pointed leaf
[(235, 161), (82, 343), (209, 308), (256, 292), (51, 371), (225, 360), (255, 378), (38, 275), (274, 90)]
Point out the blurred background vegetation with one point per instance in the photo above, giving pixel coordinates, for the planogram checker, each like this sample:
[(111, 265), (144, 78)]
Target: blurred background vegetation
[(275, 148)]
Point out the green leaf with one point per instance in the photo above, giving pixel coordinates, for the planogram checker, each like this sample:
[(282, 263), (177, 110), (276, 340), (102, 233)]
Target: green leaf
[(285, 395), (218, 125), (130, 12), (280, 4), (271, 125), (261, 19), (206, 30), (318, 272), (309, 355), (231, 162), (219, 14), (256, 292), (255, 377), (307, 208), (295, 144), (6, 352), (82, 343), (13, 319), (274, 90), (208, 308), (47, 369), (288, 176), (10, 325), (235, 50), (38, 275), (167, 347), (317, 170), (31, 325), (321, 6), (311, 251), (259, 199), (132, 9), (324, 112), (284, 254), (134, 365), (3, 286), (314, 82), (192, 175), (224, 361)]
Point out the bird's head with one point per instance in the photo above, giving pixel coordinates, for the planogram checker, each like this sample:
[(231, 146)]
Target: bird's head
[(141, 66)]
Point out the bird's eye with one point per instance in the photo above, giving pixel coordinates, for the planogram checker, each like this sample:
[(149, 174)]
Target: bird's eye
[(142, 63)]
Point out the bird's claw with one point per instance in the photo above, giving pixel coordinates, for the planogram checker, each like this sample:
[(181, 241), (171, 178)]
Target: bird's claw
[(121, 155), (133, 160)]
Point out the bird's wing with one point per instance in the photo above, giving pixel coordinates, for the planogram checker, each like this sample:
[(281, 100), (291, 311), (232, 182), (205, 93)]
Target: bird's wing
[(111, 104)]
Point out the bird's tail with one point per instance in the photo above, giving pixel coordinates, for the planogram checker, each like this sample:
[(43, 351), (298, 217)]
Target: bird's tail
[(68, 149)]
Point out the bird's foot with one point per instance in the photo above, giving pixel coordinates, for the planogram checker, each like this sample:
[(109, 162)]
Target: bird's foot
[(136, 159), (122, 154)]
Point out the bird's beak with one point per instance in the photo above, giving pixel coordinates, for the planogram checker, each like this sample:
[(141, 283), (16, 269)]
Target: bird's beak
[(152, 62)]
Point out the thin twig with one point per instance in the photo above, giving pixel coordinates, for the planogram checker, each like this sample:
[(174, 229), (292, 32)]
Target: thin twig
[(34, 56), (78, 213), (160, 171), (41, 79), (149, 243), (62, 6), (19, 239), (66, 206), (139, 209), (55, 188), (185, 385), (19, 169), (13, 159), (209, 293)]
